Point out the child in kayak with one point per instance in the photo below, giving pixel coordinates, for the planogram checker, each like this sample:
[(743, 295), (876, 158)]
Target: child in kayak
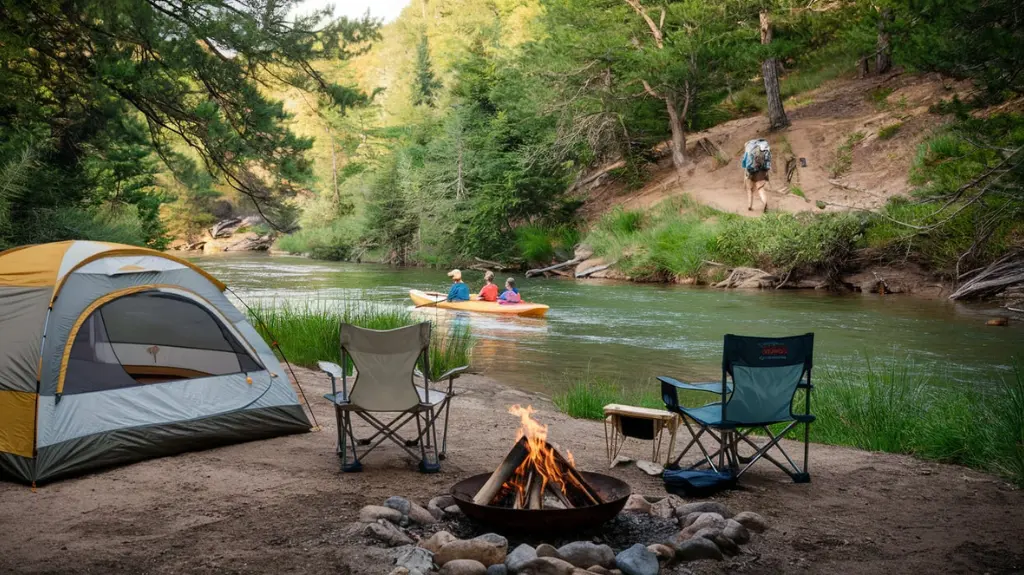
[(511, 294), (459, 290), (490, 291)]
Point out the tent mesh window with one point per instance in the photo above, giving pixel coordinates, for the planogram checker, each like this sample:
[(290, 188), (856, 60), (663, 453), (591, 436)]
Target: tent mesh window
[(152, 337)]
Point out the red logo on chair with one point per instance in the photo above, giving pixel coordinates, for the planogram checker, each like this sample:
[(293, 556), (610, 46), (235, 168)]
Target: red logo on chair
[(774, 350)]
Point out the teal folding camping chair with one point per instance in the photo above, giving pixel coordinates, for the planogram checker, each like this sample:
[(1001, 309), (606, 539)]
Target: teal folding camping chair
[(760, 377), (385, 382)]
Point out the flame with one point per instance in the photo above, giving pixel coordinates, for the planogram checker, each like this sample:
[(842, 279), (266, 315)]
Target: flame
[(541, 458)]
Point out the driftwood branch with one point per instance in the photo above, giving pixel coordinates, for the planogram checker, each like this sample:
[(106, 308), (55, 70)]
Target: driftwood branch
[(655, 29), (1000, 274), (537, 272)]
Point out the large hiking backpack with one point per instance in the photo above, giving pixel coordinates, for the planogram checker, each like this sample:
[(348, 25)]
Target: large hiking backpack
[(758, 156)]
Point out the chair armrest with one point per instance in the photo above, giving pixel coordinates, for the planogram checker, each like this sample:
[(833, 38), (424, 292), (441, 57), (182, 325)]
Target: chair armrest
[(708, 386), (453, 372), (331, 369)]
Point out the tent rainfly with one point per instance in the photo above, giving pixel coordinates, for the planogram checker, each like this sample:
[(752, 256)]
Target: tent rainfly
[(112, 353)]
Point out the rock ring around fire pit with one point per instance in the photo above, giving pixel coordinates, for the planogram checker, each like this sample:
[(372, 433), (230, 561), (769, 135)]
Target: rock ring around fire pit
[(614, 493)]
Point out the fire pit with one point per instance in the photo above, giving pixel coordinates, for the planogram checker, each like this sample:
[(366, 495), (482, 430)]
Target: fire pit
[(537, 488)]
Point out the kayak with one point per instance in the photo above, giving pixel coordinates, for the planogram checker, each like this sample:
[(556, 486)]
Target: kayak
[(422, 298)]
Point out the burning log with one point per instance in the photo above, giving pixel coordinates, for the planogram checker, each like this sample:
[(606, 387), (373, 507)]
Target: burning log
[(503, 473), (535, 474)]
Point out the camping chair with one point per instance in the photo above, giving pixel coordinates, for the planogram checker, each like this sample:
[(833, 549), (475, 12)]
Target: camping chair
[(385, 381), (760, 377)]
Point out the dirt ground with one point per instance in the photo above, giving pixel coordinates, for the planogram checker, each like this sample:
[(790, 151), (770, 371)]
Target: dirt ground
[(822, 121), (282, 505)]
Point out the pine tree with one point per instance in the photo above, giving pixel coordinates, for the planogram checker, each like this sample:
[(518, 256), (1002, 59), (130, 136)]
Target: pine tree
[(426, 86)]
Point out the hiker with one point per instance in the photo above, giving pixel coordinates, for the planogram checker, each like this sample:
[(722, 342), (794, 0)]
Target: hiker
[(490, 291), (459, 291), (757, 160), (511, 294)]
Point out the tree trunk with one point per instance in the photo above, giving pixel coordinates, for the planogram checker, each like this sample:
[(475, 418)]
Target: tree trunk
[(863, 68), (678, 145), (883, 59), (770, 70)]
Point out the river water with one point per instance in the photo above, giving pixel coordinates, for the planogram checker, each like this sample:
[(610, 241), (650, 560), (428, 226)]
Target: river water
[(632, 332)]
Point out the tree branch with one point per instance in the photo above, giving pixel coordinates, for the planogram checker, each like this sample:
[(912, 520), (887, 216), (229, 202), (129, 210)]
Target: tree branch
[(655, 29)]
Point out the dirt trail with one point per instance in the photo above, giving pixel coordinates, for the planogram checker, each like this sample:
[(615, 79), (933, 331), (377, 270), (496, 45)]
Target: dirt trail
[(282, 506), (823, 121)]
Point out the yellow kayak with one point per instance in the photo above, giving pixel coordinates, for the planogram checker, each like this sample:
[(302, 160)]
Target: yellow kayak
[(422, 298)]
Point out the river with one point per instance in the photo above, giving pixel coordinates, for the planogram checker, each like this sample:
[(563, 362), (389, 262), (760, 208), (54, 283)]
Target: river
[(631, 332)]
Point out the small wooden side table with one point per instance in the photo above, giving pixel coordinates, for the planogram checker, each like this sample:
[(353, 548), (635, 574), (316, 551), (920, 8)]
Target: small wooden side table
[(624, 421)]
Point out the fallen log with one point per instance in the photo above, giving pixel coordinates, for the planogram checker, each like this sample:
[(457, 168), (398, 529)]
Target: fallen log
[(491, 265), (516, 456), (537, 272), (593, 270)]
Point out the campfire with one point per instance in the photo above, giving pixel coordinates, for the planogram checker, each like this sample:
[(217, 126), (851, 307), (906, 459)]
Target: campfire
[(535, 474)]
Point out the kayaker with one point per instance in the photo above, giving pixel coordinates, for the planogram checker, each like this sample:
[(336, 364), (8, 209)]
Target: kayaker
[(459, 291), (490, 291), (511, 294)]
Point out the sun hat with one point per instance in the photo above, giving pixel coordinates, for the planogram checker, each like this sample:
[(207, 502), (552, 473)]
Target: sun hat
[(455, 274)]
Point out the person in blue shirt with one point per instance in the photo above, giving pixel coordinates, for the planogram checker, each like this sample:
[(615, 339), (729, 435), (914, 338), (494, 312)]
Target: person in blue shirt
[(459, 290)]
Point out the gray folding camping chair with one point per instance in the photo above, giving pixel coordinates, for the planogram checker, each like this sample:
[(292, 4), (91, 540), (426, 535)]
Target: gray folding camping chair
[(385, 382), (760, 377)]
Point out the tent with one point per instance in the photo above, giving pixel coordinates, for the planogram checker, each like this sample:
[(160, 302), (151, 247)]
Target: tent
[(112, 353)]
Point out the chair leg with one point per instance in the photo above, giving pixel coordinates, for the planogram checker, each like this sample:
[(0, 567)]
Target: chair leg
[(426, 466), (355, 465)]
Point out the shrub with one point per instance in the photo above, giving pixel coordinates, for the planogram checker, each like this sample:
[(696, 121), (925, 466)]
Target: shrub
[(335, 241), (843, 160), (890, 131)]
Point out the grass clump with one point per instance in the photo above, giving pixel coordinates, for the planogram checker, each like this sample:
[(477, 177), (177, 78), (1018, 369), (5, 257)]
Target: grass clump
[(843, 160), (308, 332), (797, 191), (890, 131), (879, 97), (585, 397), (890, 408)]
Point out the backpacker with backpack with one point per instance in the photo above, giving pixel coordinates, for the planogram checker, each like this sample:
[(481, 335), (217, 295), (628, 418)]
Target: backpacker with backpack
[(757, 156)]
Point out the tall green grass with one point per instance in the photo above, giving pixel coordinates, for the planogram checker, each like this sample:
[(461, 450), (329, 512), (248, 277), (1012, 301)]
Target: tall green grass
[(308, 332), (678, 239), (888, 407)]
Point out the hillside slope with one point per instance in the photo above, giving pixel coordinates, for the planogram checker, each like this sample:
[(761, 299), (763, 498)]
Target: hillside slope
[(834, 128)]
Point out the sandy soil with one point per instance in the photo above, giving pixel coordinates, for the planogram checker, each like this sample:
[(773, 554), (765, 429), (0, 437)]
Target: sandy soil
[(282, 506), (821, 121)]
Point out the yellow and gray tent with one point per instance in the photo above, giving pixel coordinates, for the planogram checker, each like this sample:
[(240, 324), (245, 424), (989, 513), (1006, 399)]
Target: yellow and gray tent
[(112, 353)]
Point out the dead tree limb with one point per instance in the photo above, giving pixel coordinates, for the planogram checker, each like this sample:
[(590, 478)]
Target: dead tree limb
[(537, 272)]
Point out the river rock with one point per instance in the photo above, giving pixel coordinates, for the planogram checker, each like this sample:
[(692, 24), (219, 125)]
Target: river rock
[(621, 460), (371, 513), (545, 550), (495, 539), (736, 531), (650, 468), (438, 540), (399, 571), (712, 520), (698, 548), (437, 505), (520, 556), (420, 515), (637, 504), (665, 554), (602, 570), (453, 510), (485, 552), (387, 533), (666, 508), (416, 559), (497, 569), (637, 560), (547, 566), (751, 521), (724, 544), (463, 567), (399, 504), (705, 507), (585, 554)]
